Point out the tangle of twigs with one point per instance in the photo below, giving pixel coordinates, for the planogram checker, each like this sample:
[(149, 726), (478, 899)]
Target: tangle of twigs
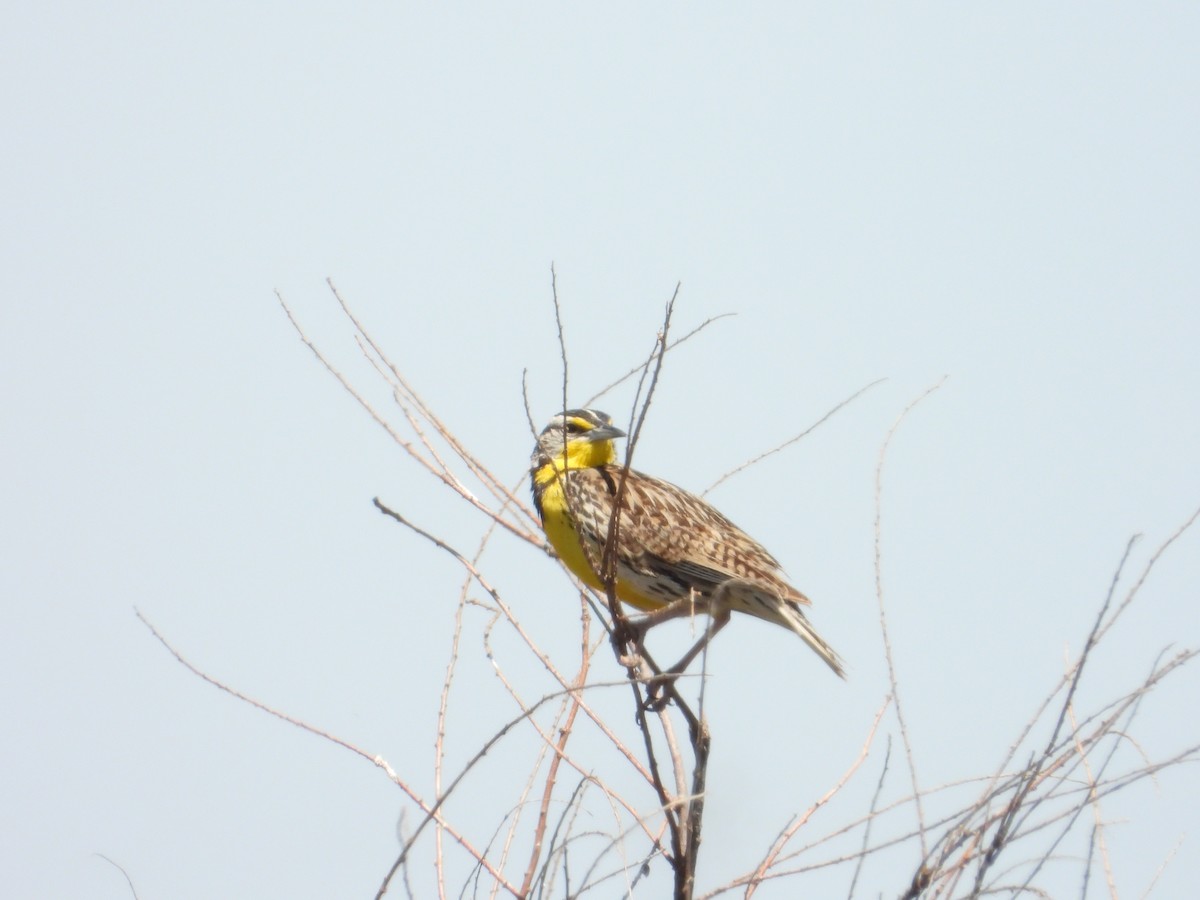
[(599, 810)]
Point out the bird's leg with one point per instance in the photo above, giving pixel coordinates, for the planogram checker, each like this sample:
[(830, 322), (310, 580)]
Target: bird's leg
[(654, 697), (658, 693), (719, 620), (635, 634)]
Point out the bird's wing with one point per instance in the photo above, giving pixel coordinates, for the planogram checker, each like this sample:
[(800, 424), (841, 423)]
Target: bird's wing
[(672, 532), (668, 534)]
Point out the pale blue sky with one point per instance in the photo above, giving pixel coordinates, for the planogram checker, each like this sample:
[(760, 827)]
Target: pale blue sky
[(1008, 195)]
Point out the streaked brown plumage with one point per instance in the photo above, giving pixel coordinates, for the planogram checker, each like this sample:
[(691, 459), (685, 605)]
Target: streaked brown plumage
[(671, 547)]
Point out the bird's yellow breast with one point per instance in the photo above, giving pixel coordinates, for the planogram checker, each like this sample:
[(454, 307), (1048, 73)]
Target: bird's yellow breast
[(560, 531)]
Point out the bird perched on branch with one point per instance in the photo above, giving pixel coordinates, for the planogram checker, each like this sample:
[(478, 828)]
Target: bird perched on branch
[(673, 554)]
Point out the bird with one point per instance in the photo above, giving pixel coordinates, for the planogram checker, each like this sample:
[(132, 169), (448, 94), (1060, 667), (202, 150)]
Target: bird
[(674, 553)]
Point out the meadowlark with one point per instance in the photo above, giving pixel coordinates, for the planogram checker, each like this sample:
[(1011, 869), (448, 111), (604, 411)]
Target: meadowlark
[(674, 553)]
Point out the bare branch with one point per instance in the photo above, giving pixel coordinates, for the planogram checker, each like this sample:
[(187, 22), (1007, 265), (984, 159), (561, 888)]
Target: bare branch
[(120, 869), (445, 477), (887, 643), (562, 341), (431, 810), (564, 735), (641, 366), (1023, 811), (756, 877), (807, 431)]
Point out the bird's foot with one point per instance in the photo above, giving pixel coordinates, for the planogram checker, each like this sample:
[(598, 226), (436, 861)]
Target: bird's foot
[(659, 690)]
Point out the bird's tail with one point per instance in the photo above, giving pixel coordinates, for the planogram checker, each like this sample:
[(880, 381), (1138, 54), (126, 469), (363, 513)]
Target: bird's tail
[(794, 619), (748, 597)]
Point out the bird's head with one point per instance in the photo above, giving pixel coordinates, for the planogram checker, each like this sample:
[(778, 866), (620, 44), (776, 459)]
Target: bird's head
[(577, 439)]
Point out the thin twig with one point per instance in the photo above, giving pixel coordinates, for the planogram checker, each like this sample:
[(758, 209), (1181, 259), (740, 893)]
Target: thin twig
[(756, 877), (430, 810), (564, 734), (1035, 771), (1150, 564), (448, 479), (1094, 802), (439, 747), (120, 869), (791, 440), (866, 841), (640, 367), (404, 393), (887, 643), (1162, 868), (562, 341)]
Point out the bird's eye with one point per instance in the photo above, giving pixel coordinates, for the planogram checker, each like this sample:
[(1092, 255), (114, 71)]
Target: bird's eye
[(574, 427)]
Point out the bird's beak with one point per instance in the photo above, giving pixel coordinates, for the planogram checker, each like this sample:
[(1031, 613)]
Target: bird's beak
[(604, 433)]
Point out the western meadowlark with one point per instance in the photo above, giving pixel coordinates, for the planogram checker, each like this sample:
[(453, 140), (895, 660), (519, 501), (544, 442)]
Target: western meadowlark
[(674, 553)]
